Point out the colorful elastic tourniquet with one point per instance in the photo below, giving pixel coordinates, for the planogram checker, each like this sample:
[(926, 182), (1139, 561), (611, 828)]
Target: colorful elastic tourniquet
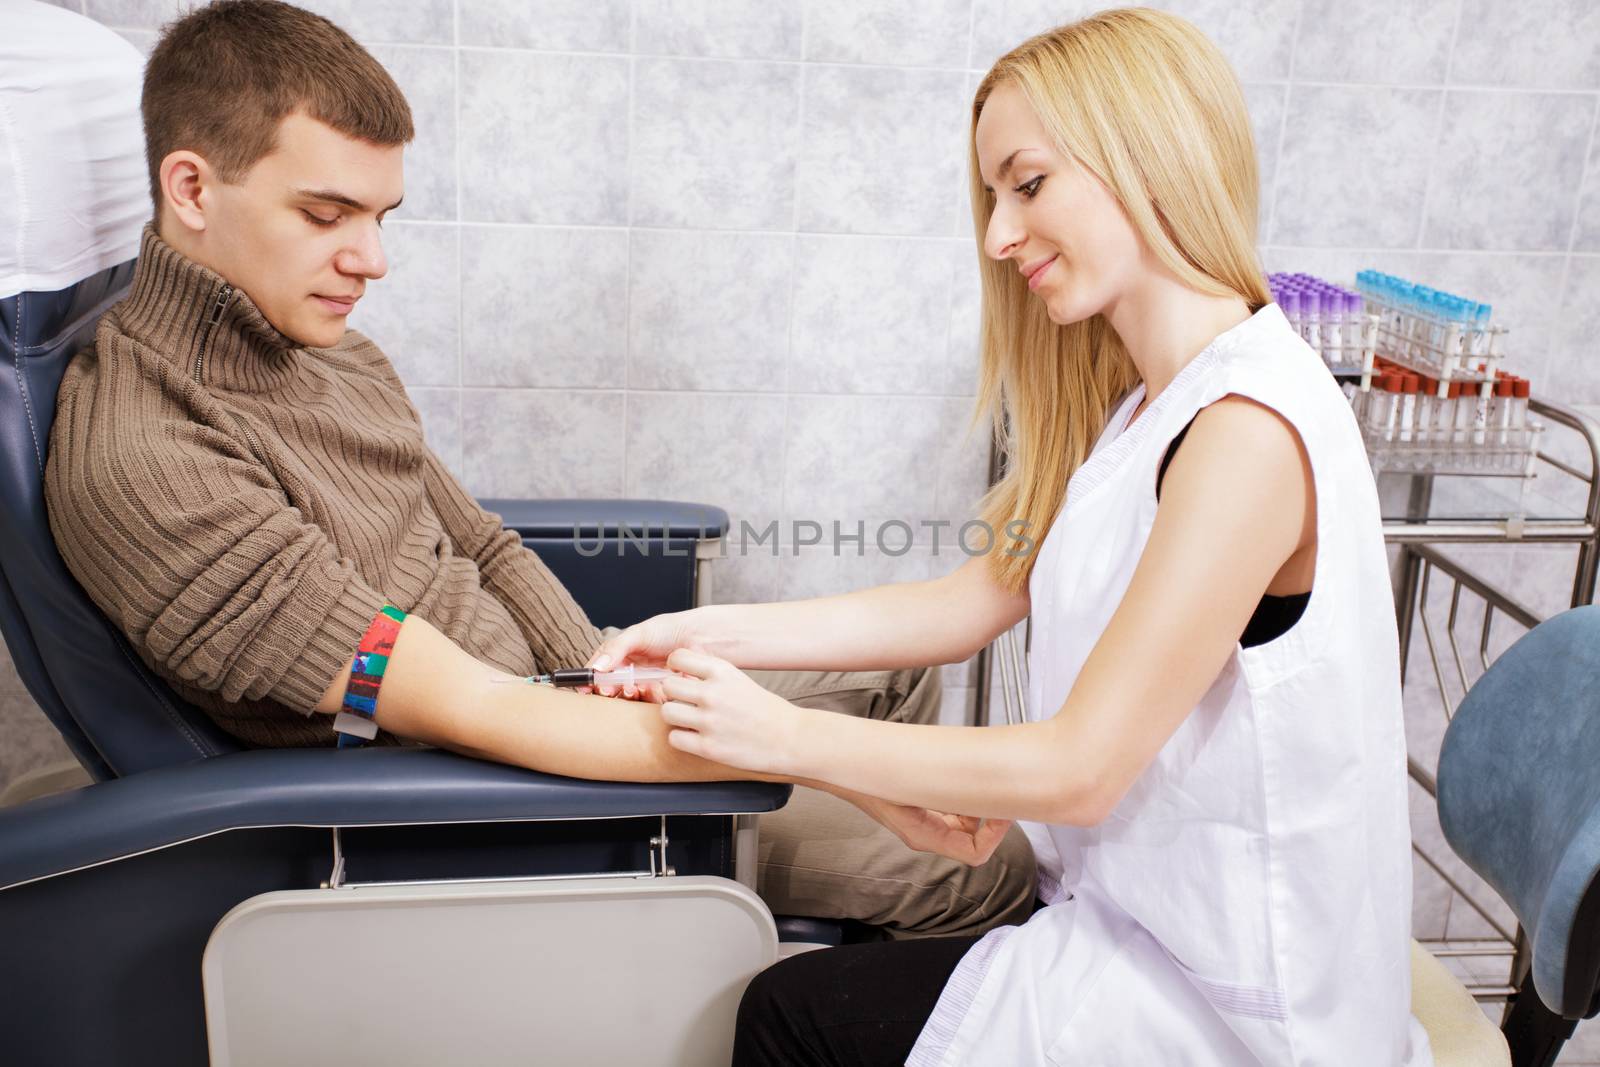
[(355, 722)]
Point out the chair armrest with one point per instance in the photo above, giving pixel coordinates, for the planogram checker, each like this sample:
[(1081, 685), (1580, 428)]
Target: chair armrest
[(546, 520), (327, 788), (622, 560)]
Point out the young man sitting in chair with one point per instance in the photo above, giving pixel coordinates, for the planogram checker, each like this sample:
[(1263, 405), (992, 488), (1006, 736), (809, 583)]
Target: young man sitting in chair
[(241, 484)]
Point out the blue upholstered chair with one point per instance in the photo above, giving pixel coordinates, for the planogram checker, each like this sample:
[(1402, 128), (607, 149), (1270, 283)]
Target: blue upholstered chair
[(111, 893), (1519, 800)]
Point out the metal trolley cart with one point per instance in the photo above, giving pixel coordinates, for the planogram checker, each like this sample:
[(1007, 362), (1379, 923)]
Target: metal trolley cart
[(1560, 505)]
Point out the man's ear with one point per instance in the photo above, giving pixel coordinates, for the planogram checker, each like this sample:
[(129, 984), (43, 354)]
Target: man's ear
[(186, 181)]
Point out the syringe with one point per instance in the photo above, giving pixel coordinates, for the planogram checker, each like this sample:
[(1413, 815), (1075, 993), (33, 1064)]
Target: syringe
[(577, 677)]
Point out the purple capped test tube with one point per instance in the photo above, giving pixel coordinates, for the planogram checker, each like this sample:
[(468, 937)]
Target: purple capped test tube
[(1290, 303), (1355, 332)]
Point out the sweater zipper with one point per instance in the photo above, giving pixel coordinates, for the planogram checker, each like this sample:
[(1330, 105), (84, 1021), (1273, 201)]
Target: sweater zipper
[(218, 306), (250, 435)]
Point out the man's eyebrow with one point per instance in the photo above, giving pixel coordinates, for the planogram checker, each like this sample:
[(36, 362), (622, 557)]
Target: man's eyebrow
[(333, 196), (1005, 168)]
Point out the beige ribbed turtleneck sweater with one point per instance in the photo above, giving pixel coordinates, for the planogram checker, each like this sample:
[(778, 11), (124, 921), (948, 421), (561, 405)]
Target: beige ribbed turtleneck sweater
[(241, 506)]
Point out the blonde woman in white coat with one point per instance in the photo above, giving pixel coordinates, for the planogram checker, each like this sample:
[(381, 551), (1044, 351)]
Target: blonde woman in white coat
[(1213, 770)]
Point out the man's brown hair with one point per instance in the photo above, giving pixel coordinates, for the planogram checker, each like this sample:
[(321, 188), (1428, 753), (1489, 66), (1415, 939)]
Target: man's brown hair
[(224, 76)]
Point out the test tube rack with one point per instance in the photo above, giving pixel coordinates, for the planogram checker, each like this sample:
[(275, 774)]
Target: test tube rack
[(1330, 319), (1424, 381), (1432, 339), (1417, 425)]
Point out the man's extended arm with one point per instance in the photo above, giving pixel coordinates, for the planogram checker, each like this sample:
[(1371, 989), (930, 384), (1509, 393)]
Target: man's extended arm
[(435, 693)]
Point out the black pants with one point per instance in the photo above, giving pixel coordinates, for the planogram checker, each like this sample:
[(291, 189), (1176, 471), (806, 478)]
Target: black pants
[(852, 1005)]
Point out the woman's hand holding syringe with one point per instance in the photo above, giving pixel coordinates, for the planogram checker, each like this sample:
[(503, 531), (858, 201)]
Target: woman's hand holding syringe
[(630, 678)]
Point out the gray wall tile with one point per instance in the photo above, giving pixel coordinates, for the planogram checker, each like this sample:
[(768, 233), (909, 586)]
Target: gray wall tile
[(882, 150), (963, 472), (428, 78), (1267, 103), (1430, 901), (817, 571), (1507, 170), (549, 25), (440, 410), (544, 307), (746, 577), (136, 14), (545, 138), (871, 315), (1586, 236), (714, 144), (955, 705), (961, 213), (862, 458), (966, 320), (1255, 35), (542, 443), (922, 33), (1431, 895), (709, 310), (1395, 41), (1424, 718), (1535, 44), (143, 40), (1339, 264), (1543, 573), (1000, 25), (408, 21), (1465, 923), (1572, 375), (735, 29), (711, 448), (1328, 191), (413, 312)]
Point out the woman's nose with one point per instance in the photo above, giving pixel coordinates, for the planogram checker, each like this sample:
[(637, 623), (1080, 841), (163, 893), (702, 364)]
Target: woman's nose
[(1003, 236)]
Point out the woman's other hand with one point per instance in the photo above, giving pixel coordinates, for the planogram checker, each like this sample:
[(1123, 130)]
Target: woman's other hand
[(714, 710), (963, 838)]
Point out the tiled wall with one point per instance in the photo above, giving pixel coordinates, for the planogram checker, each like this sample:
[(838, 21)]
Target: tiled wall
[(719, 250)]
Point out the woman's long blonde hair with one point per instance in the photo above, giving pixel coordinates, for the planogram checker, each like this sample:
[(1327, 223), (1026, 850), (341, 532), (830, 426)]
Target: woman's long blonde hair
[(1147, 104)]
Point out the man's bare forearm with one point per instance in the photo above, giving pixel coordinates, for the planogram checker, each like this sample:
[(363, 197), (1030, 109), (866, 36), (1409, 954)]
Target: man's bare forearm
[(435, 693)]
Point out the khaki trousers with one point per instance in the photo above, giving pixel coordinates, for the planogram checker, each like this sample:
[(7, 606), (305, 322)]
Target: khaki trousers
[(821, 856)]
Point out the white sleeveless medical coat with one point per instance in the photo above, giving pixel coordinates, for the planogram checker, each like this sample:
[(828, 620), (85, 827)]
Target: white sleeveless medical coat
[(1249, 900)]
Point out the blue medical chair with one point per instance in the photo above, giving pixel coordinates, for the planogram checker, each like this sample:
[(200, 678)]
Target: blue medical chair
[(109, 893), (1519, 801)]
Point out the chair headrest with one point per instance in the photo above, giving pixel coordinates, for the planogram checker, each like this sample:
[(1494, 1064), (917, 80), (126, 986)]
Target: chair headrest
[(116, 716)]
